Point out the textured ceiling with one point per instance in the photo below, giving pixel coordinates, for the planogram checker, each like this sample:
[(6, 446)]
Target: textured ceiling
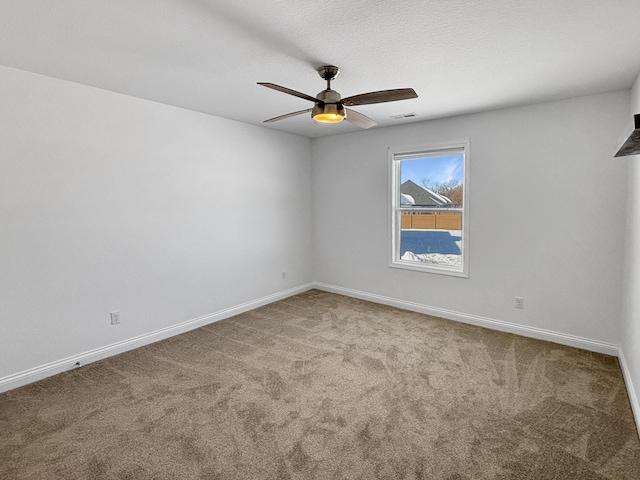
[(460, 56)]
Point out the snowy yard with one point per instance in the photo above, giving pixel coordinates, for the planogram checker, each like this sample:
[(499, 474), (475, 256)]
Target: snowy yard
[(438, 247)]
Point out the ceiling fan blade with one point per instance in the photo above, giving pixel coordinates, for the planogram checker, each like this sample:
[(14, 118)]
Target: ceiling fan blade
[(289, 91), (380, 97), (359, 119), (282, 117)]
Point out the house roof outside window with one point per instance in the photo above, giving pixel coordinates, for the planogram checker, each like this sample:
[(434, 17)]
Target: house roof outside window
[(424, 197)]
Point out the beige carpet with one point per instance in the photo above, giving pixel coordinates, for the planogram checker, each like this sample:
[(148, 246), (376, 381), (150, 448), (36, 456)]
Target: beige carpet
[(321, 386)]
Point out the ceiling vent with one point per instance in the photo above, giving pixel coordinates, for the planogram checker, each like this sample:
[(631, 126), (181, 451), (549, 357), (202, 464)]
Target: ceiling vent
[(629, 142), (404, 115)]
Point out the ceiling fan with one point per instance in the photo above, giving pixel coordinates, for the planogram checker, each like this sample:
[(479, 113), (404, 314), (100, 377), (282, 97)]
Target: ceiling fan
[(330, 108)]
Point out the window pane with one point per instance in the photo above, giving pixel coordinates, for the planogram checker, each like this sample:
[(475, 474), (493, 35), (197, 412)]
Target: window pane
[(434, 182), (431, 246)]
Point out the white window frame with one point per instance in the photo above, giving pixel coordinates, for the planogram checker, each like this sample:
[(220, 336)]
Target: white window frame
[(396, 155)]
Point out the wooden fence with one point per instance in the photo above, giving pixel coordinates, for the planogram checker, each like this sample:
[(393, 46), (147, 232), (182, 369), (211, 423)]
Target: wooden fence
[(432, 220)]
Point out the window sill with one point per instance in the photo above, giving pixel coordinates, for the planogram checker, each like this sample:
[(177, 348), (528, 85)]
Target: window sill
[(430, 268)]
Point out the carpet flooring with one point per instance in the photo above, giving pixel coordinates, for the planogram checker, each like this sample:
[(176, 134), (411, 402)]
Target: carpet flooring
[(322, 386)]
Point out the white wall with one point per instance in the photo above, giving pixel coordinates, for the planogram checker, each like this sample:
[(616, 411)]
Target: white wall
[(109, 202), (546, 220), (630, 331)]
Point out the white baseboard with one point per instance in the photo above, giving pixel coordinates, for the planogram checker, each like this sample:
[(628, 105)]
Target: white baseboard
[(525, 331), (38, 373), (631, 391)]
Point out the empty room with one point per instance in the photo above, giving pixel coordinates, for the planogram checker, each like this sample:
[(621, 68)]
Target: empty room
[(319, 240)]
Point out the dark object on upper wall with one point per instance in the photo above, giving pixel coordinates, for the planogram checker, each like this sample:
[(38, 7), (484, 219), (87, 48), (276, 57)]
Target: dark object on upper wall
[(631, 145)]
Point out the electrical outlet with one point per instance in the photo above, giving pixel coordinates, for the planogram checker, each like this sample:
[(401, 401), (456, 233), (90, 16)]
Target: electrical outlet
[(115, 318), (519, 302), (284, 275)]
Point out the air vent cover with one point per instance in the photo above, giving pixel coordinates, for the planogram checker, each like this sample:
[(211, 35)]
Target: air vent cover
[(404, 115)]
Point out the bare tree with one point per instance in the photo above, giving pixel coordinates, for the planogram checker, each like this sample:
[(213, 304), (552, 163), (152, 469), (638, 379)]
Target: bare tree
[(450, 189)]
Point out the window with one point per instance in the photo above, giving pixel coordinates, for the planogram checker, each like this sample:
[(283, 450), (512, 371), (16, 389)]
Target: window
[(429, 209)]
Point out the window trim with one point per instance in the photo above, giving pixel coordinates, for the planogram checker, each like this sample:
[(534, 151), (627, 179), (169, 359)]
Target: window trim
[(396, 155)]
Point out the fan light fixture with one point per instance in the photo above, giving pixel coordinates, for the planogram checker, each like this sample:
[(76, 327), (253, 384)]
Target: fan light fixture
[(328, 113)]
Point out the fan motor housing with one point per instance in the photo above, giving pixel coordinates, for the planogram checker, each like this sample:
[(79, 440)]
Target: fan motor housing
[(328, 96)]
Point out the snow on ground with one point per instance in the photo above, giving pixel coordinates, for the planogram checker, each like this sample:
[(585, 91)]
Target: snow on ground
[(437, 247), (434, 258)]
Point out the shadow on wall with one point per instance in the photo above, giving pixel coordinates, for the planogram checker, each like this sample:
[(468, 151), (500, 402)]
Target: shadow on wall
[(440, 241)]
